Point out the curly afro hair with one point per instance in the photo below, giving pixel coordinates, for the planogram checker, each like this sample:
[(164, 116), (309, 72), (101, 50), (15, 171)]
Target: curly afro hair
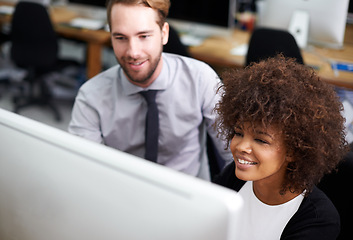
[(279, 91)]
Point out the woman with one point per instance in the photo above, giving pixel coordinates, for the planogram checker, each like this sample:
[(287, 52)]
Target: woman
[(285, 132)]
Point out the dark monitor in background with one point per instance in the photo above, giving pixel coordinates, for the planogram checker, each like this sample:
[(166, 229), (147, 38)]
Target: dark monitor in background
[(318, 22), (97, 3), (350, 12), (56, 186), (203, 18)]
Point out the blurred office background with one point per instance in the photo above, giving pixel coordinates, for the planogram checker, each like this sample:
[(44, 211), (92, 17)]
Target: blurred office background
[(194, 27), (10, 75)]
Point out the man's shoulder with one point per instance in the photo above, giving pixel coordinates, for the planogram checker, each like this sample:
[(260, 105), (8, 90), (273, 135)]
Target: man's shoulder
[(102, 80), (187, 62)]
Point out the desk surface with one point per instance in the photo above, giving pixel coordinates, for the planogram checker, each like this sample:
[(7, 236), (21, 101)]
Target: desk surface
[(214, 50), (61, 15)]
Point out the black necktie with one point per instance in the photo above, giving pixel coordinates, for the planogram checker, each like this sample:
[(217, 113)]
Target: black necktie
[(152, 125)]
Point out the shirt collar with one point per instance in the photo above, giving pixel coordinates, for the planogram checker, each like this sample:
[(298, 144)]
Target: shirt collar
[(161, 82)]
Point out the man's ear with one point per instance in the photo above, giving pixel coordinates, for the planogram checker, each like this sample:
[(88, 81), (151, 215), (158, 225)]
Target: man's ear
[(165, 33)]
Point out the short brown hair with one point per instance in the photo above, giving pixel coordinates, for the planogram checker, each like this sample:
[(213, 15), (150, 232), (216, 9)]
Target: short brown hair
[(162, 7), (281, 92)]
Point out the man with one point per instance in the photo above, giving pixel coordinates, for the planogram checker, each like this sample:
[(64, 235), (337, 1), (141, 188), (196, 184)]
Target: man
[(110, 109)]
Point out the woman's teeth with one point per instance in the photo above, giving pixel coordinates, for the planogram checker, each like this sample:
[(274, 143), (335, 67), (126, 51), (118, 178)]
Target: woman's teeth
[(241, 161)]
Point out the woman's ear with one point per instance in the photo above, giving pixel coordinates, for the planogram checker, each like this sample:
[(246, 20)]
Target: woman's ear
[(289, 157)]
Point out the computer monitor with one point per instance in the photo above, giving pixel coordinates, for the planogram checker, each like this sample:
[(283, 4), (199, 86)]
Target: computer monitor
[(57, 186), (203, 18), (327, 19)]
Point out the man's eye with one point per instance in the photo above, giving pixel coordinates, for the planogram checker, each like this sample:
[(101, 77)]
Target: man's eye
[(145, 36), (120, 38)]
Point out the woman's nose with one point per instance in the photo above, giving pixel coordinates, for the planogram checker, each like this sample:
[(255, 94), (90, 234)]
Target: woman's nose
[(243, 145)]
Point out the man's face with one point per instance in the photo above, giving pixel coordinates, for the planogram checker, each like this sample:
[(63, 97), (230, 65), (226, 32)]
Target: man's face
[(138, 42)]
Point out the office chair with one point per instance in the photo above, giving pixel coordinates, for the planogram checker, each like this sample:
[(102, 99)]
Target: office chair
[(266, 42), (3, 39), (34, 47), (174, 44), (337, 186)]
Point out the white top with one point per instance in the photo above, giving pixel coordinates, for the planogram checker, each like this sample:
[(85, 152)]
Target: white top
[(262, 221), (108, 109)]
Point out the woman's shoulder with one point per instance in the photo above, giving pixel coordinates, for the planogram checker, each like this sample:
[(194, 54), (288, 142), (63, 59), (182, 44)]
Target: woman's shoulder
[(320, 205), (319, 198), (316, 218)]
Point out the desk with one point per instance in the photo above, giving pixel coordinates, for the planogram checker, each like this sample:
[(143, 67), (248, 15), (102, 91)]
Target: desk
[(95, 39), (216, 52)]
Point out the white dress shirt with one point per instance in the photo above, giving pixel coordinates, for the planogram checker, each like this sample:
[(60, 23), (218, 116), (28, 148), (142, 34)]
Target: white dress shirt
[(109, 110)]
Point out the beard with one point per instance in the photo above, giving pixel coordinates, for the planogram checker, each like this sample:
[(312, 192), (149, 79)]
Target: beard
[(138, 77)]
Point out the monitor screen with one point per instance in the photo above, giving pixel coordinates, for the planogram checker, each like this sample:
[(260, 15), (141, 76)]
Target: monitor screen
[(203, 17), (327, 18), (204, 11), (58, 186)]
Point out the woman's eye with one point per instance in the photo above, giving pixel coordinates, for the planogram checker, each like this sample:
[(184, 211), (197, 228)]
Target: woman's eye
[(238, 134), (261, 141)]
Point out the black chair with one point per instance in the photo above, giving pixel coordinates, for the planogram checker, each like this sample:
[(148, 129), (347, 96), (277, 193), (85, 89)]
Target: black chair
[(174, 44), (34, 47), (3, 39), (337, 187), (266, 42)]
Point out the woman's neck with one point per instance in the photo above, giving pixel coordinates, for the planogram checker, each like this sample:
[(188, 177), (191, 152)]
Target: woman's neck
[(270, 194)]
